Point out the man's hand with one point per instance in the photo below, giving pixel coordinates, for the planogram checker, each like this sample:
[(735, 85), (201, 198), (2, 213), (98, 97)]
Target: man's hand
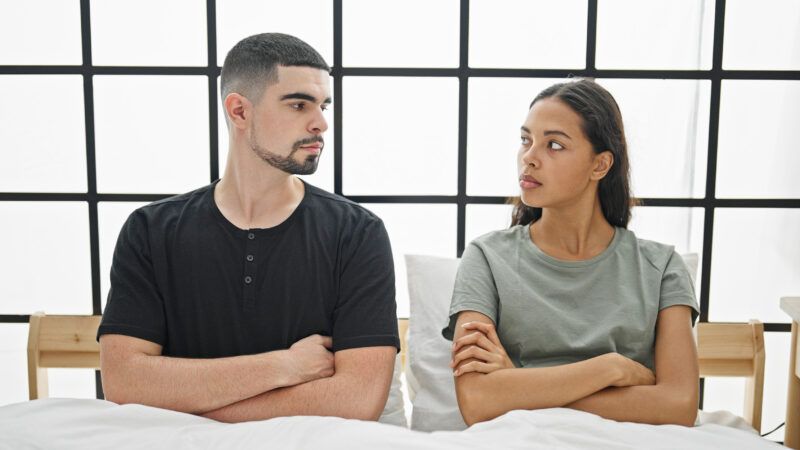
[(311, 358), (483, 346)]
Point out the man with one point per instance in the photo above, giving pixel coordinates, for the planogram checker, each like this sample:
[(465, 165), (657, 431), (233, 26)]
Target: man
[(259, 295)]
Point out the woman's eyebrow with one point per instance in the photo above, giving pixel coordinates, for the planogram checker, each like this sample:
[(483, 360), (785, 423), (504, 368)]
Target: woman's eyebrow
[(559, 132), (547, 132)]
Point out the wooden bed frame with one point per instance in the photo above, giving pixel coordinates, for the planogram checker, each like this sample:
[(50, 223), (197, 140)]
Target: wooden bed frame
[(724, 350)]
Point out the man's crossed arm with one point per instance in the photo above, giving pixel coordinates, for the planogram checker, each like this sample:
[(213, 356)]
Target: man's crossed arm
[(306, 379)]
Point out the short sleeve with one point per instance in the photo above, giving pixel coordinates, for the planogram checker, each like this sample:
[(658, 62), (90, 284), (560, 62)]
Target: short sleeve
[(677, 287), (366, 311), (135, 306), (474, 289)]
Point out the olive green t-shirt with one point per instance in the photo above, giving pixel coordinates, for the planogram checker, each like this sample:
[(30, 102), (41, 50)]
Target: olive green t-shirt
[(551, 312)]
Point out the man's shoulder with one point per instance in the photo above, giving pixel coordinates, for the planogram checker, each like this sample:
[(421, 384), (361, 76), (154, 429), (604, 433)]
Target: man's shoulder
[(161, 210), (338, 207)]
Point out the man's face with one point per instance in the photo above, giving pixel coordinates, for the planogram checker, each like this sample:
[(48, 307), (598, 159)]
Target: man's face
[(288, 120)]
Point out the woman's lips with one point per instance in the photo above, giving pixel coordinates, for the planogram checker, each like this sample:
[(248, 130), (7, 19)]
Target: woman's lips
[(528, 182)]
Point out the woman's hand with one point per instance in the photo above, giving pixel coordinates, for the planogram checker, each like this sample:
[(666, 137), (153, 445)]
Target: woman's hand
[(479, 351), (631, 373)]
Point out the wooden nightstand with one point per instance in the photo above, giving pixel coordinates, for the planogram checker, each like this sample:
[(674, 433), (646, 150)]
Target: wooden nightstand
[(791, 306)]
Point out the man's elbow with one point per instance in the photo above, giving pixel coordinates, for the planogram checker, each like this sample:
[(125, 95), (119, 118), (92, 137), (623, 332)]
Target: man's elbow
[(369, 405), (116, 392), (368, 413)]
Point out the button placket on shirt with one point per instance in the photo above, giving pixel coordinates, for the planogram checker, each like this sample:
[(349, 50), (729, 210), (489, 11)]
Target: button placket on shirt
[(249, 276)]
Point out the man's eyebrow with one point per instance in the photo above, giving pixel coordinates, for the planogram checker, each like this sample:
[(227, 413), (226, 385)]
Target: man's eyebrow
[(304, 96), (525, 129)]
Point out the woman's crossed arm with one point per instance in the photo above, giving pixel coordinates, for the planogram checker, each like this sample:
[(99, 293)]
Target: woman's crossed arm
[(610, 385)]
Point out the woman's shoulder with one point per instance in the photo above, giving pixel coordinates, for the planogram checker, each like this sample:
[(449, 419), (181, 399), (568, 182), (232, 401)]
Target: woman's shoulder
[(656, 253), (500, 238)]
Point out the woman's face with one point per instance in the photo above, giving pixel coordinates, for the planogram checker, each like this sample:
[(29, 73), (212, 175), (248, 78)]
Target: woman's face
[(556, 162)]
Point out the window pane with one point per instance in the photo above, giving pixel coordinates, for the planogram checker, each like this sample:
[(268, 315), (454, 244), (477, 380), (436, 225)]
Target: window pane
[(666, 124), (110, 218), (419, 230), (62, 383), (376, 33), (13, 363), (482, 219), (725, 394), (41, 32), (149, 33), (309, 20), (681, 227), (497, 108), (71, 383), (410, 148), (45, 264), (756, 261), (322, 178), (145, 146), (48, 153), (758, 137), (633, 34), (728, 393), (762, 36), (519, 34), (778, 346)]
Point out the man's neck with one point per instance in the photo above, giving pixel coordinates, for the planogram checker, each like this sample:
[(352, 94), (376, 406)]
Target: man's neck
[(253, 194)]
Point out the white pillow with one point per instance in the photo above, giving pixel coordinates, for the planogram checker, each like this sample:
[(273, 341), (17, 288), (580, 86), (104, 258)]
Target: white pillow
[(430, 379), (394, 413)]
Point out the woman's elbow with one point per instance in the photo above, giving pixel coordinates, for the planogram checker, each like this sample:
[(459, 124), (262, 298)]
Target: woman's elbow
[(688, 412), (470, 411), (472, 401), (683, 409)]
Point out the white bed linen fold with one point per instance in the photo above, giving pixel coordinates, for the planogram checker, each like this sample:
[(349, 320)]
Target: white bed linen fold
[(98, 424)]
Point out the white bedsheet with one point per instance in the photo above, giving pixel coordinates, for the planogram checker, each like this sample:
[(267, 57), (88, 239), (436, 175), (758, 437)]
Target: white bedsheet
[(97, 424)]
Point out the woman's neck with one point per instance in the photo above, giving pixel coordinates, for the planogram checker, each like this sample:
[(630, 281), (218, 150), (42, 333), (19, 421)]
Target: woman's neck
[(572, 233)]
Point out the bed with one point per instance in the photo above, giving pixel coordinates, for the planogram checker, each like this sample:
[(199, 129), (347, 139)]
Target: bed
[(96, 424), (69, 341)]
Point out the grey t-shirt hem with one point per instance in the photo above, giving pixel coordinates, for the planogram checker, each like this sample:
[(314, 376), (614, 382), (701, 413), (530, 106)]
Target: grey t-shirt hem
[(461, 304), (681, 301)]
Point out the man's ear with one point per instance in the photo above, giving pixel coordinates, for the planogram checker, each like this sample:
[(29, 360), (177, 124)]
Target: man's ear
[(602, 164), (238, 110)]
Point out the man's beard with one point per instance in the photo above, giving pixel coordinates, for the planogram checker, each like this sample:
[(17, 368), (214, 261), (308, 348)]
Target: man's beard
[(287, 163)]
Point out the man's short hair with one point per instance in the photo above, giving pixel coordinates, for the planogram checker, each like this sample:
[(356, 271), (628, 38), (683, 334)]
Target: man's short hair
[(251, 64)]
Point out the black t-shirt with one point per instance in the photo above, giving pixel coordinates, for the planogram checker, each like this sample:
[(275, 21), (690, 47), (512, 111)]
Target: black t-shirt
[(186, 278)]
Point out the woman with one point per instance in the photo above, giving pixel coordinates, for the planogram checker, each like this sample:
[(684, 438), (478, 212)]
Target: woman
[(567, 308)]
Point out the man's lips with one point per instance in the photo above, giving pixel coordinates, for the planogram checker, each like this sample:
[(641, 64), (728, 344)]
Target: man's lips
[(315, 148), (528, 182)]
